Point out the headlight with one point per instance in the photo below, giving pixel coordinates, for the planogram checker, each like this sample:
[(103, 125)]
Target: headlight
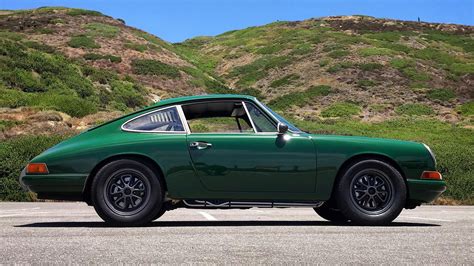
[(431, 153)]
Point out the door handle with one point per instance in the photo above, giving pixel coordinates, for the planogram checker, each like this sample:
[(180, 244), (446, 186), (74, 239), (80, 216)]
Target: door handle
[(200, 145)]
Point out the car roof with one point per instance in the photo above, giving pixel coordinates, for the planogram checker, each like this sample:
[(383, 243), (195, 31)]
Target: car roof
[(183, 99)]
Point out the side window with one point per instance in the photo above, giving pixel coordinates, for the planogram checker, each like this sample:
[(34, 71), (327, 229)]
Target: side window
[(260, 120), (166, 120), (217, 117)]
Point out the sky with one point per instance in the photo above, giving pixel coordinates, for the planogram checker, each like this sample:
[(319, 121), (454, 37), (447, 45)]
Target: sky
[(178, 20)]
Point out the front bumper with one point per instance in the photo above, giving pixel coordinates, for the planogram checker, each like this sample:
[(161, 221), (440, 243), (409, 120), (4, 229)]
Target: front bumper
[(425, 191)]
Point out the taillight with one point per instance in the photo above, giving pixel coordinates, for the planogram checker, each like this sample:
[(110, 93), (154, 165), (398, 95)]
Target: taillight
[(36, 168), (431, 175)]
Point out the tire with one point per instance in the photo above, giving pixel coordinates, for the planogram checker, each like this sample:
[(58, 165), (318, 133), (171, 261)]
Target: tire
[(331, 213), (160, 213), (127, 193), (371, 192)]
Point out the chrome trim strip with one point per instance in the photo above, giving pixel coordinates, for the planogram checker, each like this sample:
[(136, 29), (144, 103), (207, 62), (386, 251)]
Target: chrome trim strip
[(153, 131), (184, 121), (272, 116), (250, 118)]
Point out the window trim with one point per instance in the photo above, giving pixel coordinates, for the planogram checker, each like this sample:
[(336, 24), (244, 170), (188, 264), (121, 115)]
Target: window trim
[(224, 133), (265, 114), (177, 107)]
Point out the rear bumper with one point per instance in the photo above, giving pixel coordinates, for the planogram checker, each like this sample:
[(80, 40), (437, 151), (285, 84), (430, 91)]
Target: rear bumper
[(425, 191), (54, 186)]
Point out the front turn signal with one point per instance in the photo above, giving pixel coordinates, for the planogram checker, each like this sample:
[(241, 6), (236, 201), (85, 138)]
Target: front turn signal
[(36, 168), (434, 175)]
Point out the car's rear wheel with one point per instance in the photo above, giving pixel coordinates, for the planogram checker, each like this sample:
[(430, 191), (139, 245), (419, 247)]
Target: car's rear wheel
[(331, 213), (371, 192), (127, 193)]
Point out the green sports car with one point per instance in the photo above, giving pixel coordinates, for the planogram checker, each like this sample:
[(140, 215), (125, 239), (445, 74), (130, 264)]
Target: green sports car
[(231, 151)]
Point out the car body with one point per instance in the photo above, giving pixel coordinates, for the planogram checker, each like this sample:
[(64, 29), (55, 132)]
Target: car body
[(265, 162)]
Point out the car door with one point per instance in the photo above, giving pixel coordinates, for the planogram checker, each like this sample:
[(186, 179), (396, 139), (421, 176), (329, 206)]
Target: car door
[(255, 161)]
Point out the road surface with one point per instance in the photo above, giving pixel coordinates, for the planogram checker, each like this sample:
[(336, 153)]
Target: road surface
[(72, 233)]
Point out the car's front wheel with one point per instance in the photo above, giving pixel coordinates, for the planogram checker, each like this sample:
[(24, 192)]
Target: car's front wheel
[(371, 192), (127, 193)]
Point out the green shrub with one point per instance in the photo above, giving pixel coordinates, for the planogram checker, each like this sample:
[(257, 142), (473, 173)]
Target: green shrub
[(466, 109), (286, 80), (14, 36), (15, 153), (23, 79), (465, 42), (300, 98), (40, 47), (271, 49), (343, 109), (111, 58), (128, 93), (370, 66), (68, 104), (414, 109), (83, 12), (364, 83), (462, 68), (371, 51), (101, 29), (302, 49), (441, 94), (339, 66), (436, 56), (83, 41), (400, 63), (154, 67), (136, 46)]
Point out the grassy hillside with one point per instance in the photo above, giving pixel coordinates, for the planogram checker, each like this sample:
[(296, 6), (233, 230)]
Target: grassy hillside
[(63, 70)]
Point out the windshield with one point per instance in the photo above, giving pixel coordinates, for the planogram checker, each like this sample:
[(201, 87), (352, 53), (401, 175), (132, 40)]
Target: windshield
[(291, 127)]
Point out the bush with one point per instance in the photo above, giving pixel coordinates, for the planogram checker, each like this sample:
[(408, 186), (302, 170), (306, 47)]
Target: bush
[(364, 83), (370, 66), (441, 94), (15, 153), (344, 109), (83, 41), (467, 108), (136, 46), (300, 98), (339, 66), (83, 12), (414, 109), (154, 67), (371, 51), (111, 58), (102, 30), (286, 80)]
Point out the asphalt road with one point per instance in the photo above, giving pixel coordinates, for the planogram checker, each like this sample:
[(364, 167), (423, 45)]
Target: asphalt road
[(73, 233)]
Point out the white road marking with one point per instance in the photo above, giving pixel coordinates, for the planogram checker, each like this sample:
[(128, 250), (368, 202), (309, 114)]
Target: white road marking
[(22, 214), (428, 219), (19, 210), (208, 216)]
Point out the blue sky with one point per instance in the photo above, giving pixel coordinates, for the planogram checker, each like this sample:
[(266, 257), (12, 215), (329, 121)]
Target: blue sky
[(177, 20)]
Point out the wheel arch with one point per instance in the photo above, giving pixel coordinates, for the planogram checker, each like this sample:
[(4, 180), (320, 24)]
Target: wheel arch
[(367, 156), (137, 157)]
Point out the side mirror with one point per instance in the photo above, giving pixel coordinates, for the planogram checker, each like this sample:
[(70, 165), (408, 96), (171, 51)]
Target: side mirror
[(282, 128)]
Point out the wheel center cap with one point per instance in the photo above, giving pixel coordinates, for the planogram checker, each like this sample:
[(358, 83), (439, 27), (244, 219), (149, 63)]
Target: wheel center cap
[(372, 191), (127, 191)]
